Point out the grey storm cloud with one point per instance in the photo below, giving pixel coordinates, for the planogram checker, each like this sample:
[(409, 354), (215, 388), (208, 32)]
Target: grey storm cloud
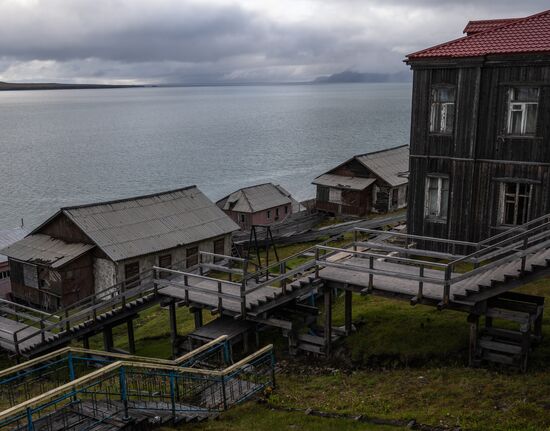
[(216, 40)]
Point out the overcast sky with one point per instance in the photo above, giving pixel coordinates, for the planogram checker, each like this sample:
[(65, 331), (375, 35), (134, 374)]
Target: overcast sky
[(182, 41)]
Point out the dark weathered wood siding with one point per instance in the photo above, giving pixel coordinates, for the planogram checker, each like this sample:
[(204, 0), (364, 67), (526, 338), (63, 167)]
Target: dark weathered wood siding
[(478, 151)]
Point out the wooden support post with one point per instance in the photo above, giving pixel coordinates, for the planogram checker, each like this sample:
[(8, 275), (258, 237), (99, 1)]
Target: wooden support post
[(131, 339), (371, 275), (186, 284), (220, 301), (173, 327), (108, 343), (86, 342), (197, 315), (316, 262), (328, 320), (282, 270), (243, 290), (537, 327), (473, 319), (421, 284), (348, 311)]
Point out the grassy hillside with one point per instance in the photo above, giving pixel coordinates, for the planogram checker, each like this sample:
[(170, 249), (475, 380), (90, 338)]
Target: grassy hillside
[(404, 363)]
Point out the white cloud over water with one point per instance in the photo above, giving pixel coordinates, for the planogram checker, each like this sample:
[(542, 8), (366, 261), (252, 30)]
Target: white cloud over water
[(178, 41)]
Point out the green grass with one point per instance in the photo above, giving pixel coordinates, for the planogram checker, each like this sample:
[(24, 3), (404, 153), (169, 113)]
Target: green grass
[(403, 363), (257, 417), (152, 331), (407, 363)]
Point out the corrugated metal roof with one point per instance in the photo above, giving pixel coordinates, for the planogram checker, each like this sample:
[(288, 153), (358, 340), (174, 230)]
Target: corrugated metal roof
[(389, 165), (148, 224), (341, 182), (8, 237), (45, 250), (255, 198)]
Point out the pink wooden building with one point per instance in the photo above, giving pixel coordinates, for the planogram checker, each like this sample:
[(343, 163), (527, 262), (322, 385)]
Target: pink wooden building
[(262, 204)]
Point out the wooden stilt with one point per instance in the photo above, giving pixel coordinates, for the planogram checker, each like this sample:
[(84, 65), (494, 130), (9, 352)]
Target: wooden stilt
[(173, 327), (108, 343), (245, 343), (328, 321), (473, 319), (197, 315), (86, 342), (131, 339), (348, 311)]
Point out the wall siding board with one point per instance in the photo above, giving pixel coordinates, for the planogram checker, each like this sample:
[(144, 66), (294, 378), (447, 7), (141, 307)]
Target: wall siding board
[(479, 150)]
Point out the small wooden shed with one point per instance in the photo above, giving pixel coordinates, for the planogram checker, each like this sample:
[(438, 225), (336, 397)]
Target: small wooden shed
[(372, 182)]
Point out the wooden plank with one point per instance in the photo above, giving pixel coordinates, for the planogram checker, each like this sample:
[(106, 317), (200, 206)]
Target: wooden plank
[(500, 347)]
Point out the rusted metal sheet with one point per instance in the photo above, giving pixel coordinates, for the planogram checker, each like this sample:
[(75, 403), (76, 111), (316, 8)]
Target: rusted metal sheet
[(45, 250)]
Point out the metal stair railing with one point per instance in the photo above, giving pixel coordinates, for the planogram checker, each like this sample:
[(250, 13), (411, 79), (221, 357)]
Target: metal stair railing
[(122, 387), (21, 382)]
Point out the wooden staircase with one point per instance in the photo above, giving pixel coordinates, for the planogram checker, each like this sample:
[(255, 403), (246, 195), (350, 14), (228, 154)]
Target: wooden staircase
[(520, 319), (488, 284)]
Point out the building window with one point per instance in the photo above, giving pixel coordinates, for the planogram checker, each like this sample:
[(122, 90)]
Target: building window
[(437, 197), (522, 110), (243, 218), (442, 112), (269, 214), (514, 203), (276, 213), (131, 274), (192, 257), (335, 196), (286, 209)]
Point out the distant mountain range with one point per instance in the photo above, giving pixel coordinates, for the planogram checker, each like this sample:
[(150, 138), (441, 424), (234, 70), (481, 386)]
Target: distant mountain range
[(350, 76), (7, 86)]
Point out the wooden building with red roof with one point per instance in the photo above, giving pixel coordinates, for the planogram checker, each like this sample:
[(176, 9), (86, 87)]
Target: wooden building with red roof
[(480, 133)]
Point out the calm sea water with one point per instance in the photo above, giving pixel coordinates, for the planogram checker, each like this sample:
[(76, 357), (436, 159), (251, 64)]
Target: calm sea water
[(60, 148)]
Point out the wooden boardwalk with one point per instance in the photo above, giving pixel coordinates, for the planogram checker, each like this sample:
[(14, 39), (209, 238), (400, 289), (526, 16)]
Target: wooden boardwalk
[(465, 292), (8, 327), (208, 295)]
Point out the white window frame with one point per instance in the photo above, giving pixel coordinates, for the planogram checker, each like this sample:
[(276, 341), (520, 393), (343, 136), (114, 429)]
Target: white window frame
[(516, 197), (438, 216), (519, 106), (441, 108), (334, 195)]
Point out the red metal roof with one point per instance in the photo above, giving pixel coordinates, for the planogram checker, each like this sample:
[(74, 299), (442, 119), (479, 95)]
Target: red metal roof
[(483, 25), (524, 35)]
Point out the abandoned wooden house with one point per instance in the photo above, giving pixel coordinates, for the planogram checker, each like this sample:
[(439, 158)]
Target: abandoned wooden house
[(372, 182), (480, 134), (7, 237), (85, 249), (262, 204)]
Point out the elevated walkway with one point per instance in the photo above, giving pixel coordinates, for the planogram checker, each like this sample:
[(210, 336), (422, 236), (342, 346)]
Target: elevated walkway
[(390, 263)]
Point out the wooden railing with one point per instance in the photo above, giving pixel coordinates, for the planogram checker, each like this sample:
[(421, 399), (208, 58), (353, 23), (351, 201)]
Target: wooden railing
[(514, 245)]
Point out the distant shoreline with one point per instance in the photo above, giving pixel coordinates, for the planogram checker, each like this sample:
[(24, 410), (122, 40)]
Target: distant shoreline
[(6, 86)]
